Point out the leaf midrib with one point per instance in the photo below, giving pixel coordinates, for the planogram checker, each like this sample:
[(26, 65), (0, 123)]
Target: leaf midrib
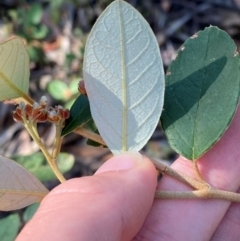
[(124, 84), (197, 111), (24, 192), (19, 92)]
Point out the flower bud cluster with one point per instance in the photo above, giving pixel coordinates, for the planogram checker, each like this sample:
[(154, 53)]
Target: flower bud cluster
[(38, 112), (58, 114)]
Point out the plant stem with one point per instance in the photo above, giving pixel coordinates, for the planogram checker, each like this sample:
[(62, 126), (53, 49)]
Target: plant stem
[(181, 177), (90, 135), (56, 170), (204, 190), (50, 160), (57, 143), (199, 194)]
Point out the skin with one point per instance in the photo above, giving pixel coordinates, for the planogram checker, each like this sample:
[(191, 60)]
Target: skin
[(117, 203)]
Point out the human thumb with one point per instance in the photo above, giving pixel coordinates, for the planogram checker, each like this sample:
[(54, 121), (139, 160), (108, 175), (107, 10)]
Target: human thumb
[(111, 205)]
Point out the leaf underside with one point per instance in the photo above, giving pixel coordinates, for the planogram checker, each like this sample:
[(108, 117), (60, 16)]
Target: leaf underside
[(124, 78), (202, 89), (14, 69), (18, 187)]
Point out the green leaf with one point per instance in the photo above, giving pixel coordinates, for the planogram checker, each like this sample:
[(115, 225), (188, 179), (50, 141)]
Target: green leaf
[(124, 77), (31, 162), (202, 90), (79, 114), (18, 187), (69, 104), (58, 89), (36, 54), (39, 31), (14, 69), (65, 164), (9, 227), (90, 125), (30, 211), (93, 143), (35, 13), (74, 85), (13, 14), (39, 167)]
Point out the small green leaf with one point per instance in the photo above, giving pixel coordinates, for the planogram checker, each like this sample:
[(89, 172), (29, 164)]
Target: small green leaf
[(31, 162), (79, 114), (36, 54), (35, 13), (74, 85), (202, 90), (9, 227), (39, 167), (58, 89), (30, 211), (39, 31), (14, 69), (65, 164)]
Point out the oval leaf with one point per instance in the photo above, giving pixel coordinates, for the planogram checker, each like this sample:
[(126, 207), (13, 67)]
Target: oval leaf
[(45, 172), (9, 227), (30, 211), (202, 90), (35, 13), (58, 89), (79, 114), (18, 187), (14, 69), (124, 77)]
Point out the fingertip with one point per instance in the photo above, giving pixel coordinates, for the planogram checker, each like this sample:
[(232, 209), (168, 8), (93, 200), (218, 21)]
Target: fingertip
[(128, 160)]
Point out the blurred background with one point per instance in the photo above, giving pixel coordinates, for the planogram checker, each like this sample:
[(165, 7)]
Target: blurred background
[(55, 34)]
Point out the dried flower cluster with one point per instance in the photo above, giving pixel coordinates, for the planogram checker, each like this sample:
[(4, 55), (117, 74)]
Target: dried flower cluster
[(38, 112)]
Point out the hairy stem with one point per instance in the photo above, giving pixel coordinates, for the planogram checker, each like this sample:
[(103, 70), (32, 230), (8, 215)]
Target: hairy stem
[(199, 194), (181, 177), (204, 190)]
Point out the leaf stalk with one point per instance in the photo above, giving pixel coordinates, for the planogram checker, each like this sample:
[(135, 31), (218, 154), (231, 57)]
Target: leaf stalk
[(90, 135)]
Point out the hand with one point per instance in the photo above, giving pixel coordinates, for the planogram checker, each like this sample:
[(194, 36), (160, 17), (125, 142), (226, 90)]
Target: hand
[(117, 203)]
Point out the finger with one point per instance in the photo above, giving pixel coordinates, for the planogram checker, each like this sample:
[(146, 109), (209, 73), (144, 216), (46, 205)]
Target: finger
[(197, 219), (229, 228), (111, 205)]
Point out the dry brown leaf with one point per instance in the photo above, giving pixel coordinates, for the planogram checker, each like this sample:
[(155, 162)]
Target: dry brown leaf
[(18, 187)]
